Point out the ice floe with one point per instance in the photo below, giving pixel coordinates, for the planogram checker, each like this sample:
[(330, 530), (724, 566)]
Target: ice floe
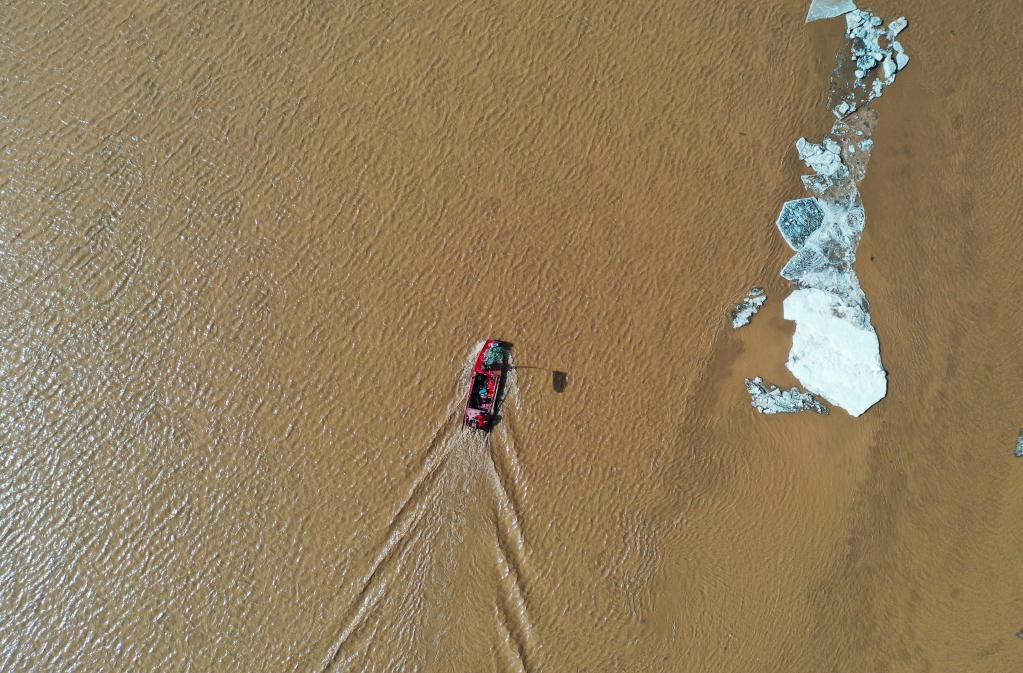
[(826, 9), (769, 399), (835, 351), (1019, 444), (748, 307)]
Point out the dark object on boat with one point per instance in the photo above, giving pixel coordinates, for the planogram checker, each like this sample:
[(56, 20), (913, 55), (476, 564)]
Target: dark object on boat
[(559, 381), (487, 379)]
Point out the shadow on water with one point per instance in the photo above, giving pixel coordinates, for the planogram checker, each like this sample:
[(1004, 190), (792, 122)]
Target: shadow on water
[(559, 379)]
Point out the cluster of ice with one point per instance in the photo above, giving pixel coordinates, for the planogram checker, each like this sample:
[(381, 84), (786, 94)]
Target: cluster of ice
[(824, 229), (1019, 444), (748, 307), (875, 58), (769, 399), (835, 351)]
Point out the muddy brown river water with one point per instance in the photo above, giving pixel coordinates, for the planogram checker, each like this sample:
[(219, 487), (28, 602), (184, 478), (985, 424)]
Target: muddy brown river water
[(246, 251)]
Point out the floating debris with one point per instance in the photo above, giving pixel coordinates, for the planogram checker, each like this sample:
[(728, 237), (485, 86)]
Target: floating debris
[(748, 307), (770, 399)]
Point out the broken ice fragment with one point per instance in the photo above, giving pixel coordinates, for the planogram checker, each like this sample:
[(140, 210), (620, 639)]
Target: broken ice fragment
[(826, 9), (888, 68), (798, 219), (824, 159), (770, 399), (1019, 450), (748, 307)]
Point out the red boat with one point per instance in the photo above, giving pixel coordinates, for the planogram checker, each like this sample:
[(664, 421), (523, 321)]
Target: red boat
[(487, 378)]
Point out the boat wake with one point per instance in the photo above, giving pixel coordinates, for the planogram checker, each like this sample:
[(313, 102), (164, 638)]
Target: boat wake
[(511, 553), (469, 490)]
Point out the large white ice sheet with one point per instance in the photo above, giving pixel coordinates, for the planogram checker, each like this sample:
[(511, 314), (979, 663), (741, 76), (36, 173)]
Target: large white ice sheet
[(835, 352)]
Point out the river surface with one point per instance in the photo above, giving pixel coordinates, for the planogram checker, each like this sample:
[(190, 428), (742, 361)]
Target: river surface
[(245, 256)]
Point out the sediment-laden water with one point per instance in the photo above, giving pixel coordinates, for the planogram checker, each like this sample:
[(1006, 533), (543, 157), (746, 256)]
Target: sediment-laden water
[(245, 253)]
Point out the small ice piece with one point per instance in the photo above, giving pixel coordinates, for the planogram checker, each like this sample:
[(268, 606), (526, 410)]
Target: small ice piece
[(826, 9), (888, 68), (815, 184), (835, 352), (901, 60), (897, 26), (1019, 451), (769, 399), (798, 219), (748, 307), (824, 159)]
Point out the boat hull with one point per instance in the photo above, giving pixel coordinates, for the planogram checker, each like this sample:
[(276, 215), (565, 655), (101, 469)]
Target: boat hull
[(488, 374)]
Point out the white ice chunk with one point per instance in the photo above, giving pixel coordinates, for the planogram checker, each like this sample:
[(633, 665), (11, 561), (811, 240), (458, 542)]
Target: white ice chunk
[(835, 352), (901, 60), (1019, 444), (826, 9), (888, 68), (824, 159), (748, 307)]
